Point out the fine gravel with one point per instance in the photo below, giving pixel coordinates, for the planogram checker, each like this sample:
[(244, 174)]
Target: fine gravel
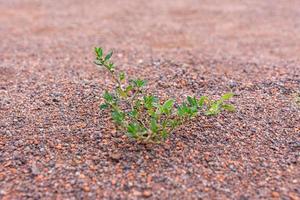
[(55, 143)]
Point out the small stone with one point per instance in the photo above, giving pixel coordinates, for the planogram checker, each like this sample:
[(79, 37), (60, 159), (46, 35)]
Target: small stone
[(275, 194), (81, 176), (232, 84), (183, 82), (232, 168), (147, 193), (2, 192), (242, 197), (293, 196), (113, 181), (59, 146), (136, 193), (55, 100), (115, 156), (86, 188), (39, 177), (27, 149), (34, 169), (2, 176), (114, 132), (253, 130), (80, 125)]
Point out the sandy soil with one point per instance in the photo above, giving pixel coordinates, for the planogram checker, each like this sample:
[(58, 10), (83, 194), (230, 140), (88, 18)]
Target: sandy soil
[(56, 144)]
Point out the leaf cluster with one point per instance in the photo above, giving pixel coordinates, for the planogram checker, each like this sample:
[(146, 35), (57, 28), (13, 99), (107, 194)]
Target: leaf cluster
[(143, 116)]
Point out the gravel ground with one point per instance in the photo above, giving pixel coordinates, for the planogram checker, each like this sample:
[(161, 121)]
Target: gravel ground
[(56, 144)]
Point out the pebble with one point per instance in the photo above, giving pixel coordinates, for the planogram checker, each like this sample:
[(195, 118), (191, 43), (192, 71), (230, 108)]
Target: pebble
[(34, 169), (55, 100), (232, 84), (147, 193), (2, 176), (136, 193), (115, 156), (86, 188), (275, 194)]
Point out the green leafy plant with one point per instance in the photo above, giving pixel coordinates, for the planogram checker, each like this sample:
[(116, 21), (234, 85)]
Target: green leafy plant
[(143, 116)]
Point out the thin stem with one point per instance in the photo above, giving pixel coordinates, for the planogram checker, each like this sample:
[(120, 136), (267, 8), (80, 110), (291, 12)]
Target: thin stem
[(112, 73), (117, 80), (131, 100)]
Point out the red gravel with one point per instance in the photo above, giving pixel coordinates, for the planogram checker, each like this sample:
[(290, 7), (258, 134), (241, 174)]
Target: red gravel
[(55, 144)]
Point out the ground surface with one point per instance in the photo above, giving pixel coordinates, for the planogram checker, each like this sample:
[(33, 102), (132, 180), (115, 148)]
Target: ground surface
[(55, 143)]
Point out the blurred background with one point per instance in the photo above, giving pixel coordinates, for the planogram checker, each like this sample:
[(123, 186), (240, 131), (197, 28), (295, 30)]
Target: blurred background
[(252, 30)]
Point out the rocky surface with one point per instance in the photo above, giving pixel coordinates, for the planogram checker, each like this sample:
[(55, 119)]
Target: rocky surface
[(56, 144)]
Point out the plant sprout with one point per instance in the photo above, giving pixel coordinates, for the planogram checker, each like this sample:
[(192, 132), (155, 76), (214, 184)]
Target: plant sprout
[(143, 116)]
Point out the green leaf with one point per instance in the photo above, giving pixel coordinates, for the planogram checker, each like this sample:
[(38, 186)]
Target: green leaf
[(153, 125), (108, 97), (110, 66), (228, 107), (214, 109), (184, 110), (108, 56), (194, 110), (128, 88), (99, 52), (103, 106), (174, 123), (139, 83), (122, 76), (180, 111), (192, 101), (159, 109), (132, 130), (98, 62), (118, 116), (150, 101), (121, 93), (227, 96), (168, 104), (164, 134), (133, 113), (138, 104), (202, 100), (152, 113)]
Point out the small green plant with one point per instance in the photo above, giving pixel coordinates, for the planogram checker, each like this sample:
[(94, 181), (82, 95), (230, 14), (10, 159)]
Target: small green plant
[(143, 116)]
